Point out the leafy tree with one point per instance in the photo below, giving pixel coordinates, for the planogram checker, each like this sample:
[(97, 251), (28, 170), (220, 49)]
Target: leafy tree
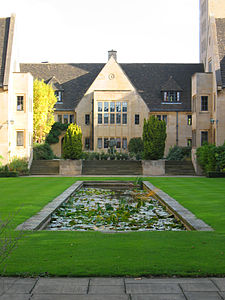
[(154, 138), (43, 109), (136, 145), (72, 144)]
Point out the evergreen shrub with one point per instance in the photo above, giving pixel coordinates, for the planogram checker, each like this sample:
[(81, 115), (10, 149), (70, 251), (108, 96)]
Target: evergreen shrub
[(72, 144), (154, 138), (42, 151), (179, 153), (136, 145)]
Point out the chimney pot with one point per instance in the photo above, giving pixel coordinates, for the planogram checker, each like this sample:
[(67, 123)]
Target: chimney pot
[(112, 53)]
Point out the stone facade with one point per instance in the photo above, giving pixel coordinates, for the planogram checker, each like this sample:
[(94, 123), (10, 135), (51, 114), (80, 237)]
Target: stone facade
[(16, 100)]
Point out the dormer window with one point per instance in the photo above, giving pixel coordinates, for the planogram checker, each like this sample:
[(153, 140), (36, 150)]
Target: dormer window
[(58, 95), (171, 96)]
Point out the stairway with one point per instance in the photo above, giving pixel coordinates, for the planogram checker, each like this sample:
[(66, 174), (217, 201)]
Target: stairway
[(45, 167), (111, 167), (179, 168)]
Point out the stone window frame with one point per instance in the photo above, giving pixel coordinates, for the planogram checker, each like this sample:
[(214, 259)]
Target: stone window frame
[(112, 112), (87, 143), (171, 97), (87, 119), (99, 143), (137, 119), (205, 103), (189, 120), (22, 144), (23, 109), (206, 138), (59, 96)]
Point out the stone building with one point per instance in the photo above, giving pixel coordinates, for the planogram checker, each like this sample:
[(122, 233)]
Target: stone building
[(110, 101), (208, 89), (16, 99)]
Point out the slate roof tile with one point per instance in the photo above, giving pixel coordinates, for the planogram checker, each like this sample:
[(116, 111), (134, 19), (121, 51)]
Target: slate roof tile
[(148, 79)]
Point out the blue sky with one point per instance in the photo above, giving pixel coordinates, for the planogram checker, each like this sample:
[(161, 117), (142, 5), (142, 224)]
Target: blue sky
[(84, 30)]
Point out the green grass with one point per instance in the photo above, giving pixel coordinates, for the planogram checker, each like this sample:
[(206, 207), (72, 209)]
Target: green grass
[(138, 253)]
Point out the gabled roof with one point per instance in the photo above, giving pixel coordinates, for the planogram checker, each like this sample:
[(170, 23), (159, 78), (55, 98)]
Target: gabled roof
[(220, 28), (6, 39), (148, 79), (54, 83), (75, 79), (4, 33), (171, 85)]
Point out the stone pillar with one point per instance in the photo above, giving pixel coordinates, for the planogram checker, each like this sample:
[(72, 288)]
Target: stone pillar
[(153, 167)]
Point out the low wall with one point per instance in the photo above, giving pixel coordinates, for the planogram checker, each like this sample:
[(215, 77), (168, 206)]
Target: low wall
[(70, 167), (153, 167)]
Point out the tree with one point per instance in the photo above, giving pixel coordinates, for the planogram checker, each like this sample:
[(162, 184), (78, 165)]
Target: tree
[(136, 145), (72, 144), (154, 137), (43, 110)]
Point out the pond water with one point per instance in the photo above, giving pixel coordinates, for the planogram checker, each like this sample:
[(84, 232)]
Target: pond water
[(104, 209)]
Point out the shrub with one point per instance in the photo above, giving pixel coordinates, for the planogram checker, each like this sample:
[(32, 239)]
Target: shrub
[(19, 165), (136, 145), (4, 172), (42, 151), (220, 158), (154, 137), (0, 160), (72, 144), (179, 153), (56, 130), (206, 157)]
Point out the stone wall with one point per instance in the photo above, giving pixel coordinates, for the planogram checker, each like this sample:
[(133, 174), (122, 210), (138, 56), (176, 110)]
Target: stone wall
[(70, 167), (153, 167)]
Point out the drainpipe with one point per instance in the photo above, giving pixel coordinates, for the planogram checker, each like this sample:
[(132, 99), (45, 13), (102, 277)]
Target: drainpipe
[(177, 140), (92, 124)]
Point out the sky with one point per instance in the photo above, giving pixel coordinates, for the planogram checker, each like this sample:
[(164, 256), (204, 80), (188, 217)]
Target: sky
[(79, 31)]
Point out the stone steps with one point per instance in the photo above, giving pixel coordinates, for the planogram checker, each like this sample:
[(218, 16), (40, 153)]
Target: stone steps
[(44, 167), (111, 167), (179, 168)]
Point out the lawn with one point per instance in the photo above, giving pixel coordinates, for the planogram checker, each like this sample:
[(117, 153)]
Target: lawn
[(189, 253)]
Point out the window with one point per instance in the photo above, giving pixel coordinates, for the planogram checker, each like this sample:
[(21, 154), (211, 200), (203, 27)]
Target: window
[(164, 118), (71, 118), (189, 142), (118, 118), (112, 107), (204, 103), (171, 96), (87, 119), (118, 107), (20, 103), (60, 118), (106, 118), (99, 118), (124, 106), (159, 117), (118, 143), (106, 143), (112, 118), (65, 119), (204, 137), (136, 120), (124, 118), (124, 143), (99, 106), (106, 106), (189, 120), (58, 95), (87, 143), (99, 143), (19, 138)]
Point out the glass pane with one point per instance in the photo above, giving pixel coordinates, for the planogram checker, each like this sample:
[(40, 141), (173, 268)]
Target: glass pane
[(118, 118), (60, 118), (136, 119), (106, 143), (65, 119), (112, 107), (124, 143), (106, 118), (99, 106), (124, 118), (19, 103), (112, 118), (19, 138), (99, 143), (124, 106), (118, 143), (99, 118), (106, 106), (71, 118), (118, 106)]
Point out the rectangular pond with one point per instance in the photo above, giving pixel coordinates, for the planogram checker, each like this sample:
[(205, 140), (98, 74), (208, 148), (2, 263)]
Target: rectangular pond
[(113, 209)]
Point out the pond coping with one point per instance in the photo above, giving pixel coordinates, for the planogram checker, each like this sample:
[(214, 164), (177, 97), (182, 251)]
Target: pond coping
[(190, 221), (42, 218)]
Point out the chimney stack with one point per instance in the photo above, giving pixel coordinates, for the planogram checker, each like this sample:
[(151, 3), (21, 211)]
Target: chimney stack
[(112, 53)]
